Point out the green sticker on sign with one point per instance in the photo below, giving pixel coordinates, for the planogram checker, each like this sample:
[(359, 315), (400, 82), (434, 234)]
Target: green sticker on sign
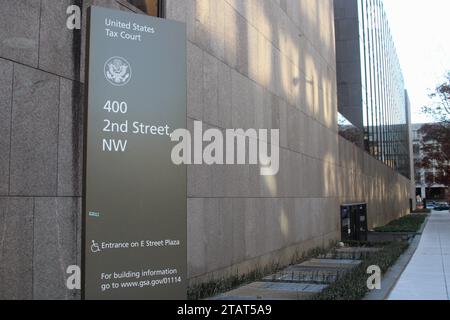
[(134, 220)]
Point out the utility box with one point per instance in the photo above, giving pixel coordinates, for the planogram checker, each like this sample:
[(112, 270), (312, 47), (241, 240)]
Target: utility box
[(354, 222)]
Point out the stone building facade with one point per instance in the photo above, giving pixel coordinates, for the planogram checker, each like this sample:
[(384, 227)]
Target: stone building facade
[(251, 64)]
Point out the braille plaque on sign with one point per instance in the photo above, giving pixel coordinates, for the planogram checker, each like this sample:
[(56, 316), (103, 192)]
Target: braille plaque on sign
[(134, 219)]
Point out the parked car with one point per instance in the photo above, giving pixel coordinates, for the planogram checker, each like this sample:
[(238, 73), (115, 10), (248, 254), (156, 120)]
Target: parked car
[(442, 207), (431, 205)]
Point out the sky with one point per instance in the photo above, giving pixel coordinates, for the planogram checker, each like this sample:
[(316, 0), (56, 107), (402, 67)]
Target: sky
[(421, 33)]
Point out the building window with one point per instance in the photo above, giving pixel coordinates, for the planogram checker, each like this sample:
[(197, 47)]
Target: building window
[(153, 8), (416, 149)]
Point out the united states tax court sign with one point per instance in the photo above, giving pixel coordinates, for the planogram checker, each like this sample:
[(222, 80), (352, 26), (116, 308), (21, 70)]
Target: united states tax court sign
[(134, 210)]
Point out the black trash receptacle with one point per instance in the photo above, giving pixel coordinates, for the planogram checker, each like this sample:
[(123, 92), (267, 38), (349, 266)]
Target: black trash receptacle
[(354, 222)]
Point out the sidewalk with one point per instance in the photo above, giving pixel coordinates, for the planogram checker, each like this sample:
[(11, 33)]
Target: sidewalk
[(427, 276)]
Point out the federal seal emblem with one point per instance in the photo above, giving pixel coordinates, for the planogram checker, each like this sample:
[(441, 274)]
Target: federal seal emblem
[(117, 71)]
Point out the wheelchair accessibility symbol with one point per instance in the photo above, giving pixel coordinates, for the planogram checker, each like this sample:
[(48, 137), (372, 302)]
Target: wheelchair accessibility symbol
[(95, 247)]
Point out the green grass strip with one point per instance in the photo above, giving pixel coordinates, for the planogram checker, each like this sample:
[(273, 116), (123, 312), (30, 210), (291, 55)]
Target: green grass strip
[(409, 223), (353, 285)]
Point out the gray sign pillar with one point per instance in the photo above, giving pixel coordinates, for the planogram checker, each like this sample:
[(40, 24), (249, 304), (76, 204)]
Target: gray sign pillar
[(134, 221)]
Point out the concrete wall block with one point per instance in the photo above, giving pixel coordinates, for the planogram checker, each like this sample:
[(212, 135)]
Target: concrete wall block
[(258, 17), (275, 82), (19, 36), (307, 176), (314, 178), (301, 211), (295, 183), (285, 184), (253, 222), (294, 129), (253, 53), (230, 35), (278, 185), (308, 20), (283, 109), (243, 102), (219, 186), (295, 87), (331, 180), (205, 23), (59, 49), (195, 82), (218, 233), (318, 206), (299, 176), (309, 219), (260, 101), (320, 182), (254, 181), (329, 115), (316, 143), (284, 34), (203, 30), (286, 80), (217, 14), (34, 133), (200, 180), (183, 11), (334, 148), (241, 176), (210, 89), (265, 62), (304, 181), (271, 227), (326, 153), (224, 96), (286, 218), (196, 237), (327, 32), (16, 248), (294, 12), (70, 137), (6, 77), (55, 246), (242, 45), (309, 98), (334, 218), (238, 214)]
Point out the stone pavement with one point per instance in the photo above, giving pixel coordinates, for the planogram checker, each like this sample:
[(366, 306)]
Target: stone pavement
[(427, 276)]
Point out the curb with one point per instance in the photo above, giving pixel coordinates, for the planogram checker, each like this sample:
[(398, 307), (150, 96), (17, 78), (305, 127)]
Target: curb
[(391, 277)]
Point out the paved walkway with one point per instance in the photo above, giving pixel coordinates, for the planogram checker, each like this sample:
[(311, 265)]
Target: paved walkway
[(427, 276)]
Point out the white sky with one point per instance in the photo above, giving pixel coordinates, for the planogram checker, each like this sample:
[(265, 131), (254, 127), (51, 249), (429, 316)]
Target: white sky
[(421, 33)]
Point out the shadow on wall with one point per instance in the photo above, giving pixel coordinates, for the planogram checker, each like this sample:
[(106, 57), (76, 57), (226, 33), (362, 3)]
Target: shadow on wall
[(264, 44), (289, 50)]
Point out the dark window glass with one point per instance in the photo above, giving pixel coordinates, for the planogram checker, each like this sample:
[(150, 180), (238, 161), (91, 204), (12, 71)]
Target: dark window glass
[(153, 8)]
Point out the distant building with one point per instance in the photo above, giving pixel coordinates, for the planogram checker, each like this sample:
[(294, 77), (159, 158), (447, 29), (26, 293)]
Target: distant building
[(371, 90), (425, 186)]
